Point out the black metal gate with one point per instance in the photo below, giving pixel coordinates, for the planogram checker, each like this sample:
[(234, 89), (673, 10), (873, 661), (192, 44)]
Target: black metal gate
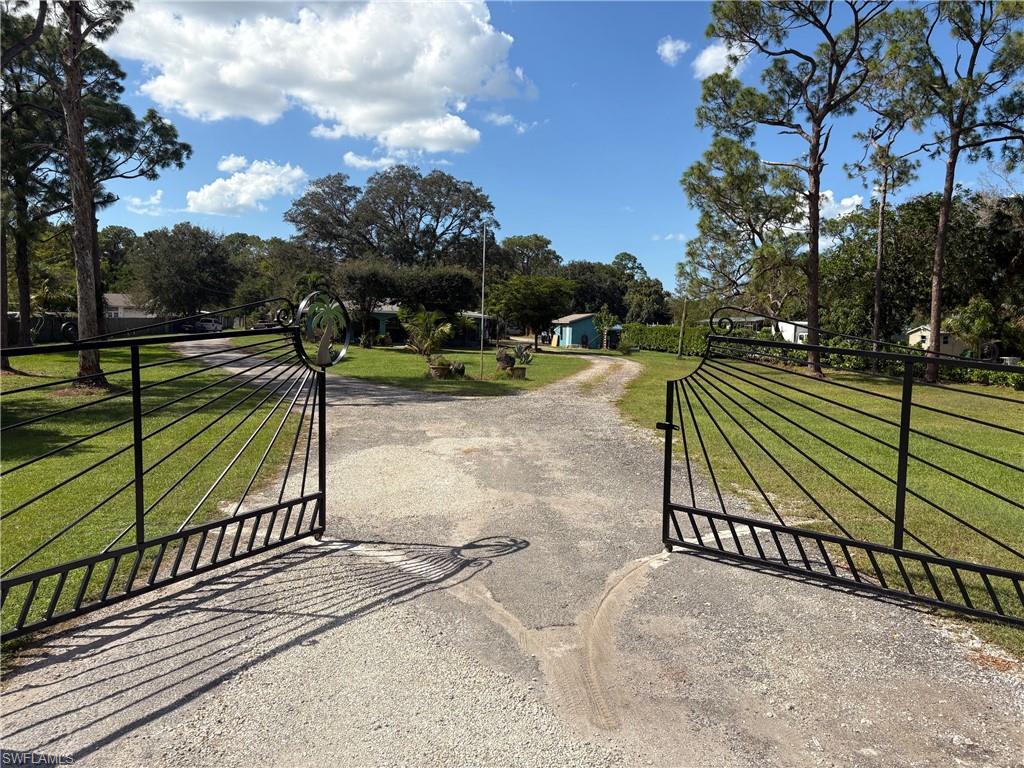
[(866, 476), (205, 446)]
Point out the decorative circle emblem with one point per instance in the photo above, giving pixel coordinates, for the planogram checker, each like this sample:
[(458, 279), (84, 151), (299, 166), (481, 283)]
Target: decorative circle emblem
[(322, 318)]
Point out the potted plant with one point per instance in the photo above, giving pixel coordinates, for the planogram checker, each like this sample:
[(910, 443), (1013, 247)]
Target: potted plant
[(440, 367), (523, 357), (505, 360), (428, 331)]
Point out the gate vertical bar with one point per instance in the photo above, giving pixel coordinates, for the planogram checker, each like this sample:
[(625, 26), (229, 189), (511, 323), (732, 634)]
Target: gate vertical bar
[(667, 483), (140, 498), (906, 404), (321, 447)]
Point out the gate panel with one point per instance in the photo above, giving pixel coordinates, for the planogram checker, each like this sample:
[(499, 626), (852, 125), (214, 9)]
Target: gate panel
[(865, 476), (203, 448)]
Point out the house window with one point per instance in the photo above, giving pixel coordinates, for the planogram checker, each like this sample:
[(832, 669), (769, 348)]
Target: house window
[(945, 338), (802, 338), (112, 312), (923, 339)]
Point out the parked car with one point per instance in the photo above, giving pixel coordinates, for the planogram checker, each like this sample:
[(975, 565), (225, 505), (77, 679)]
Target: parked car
[(203, 325)]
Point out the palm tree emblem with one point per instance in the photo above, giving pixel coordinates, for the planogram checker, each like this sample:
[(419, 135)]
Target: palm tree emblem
[(328, 316)]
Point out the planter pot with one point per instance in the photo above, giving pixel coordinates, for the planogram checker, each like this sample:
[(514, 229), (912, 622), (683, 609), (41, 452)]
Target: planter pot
[(440, 371)]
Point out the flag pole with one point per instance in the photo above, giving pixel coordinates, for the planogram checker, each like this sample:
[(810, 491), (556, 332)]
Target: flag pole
[(483, 278)]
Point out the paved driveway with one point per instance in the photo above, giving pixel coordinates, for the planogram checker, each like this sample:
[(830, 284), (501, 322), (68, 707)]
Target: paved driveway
[(493, 592)]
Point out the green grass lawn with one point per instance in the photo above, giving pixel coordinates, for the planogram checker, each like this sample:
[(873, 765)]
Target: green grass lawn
[(757, 388), (404, 368), (231, 413)]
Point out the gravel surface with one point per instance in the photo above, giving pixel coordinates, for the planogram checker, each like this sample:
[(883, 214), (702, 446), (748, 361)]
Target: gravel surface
[(492, 592)]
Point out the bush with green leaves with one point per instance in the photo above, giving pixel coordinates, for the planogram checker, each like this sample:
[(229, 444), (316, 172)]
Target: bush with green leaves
[(663, 338), (428, 330)]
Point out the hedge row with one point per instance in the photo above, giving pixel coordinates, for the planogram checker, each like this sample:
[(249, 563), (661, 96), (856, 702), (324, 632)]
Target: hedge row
[(663, 338)]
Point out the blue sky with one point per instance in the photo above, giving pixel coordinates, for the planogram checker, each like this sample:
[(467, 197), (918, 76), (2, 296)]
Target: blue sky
[(578, 127)]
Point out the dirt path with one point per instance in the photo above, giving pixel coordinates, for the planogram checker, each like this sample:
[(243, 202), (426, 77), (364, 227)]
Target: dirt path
[(493, 593)]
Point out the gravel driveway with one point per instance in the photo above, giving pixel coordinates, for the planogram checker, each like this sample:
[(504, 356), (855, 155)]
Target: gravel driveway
[(493, 592)]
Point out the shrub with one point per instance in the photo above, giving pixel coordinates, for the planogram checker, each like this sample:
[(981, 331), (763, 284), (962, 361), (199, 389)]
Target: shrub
[(428, 331), (663, 338)]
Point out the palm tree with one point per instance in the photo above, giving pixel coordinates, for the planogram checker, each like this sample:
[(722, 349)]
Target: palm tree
[(428, 331)]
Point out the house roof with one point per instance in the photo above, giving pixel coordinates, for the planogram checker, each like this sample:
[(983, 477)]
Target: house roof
[(119, 300), (569, 319), (926, 327)]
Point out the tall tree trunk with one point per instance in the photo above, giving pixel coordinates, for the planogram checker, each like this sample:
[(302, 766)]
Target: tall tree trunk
[(81, 193), (5, 364), (682, 328), (813, 233), (876, 314), (938, 261), (21, 270), (101, 324)]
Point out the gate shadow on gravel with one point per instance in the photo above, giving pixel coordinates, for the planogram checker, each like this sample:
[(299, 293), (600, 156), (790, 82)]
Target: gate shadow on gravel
[(809, 581), (98, 682)]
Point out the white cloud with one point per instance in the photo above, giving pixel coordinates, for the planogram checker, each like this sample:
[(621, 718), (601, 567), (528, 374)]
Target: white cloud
[(520, 126), (245, 191), (149, 206), (830, 209), (448, 133), (677, 236), (495, 119), (714, 59), (231, 163), (670, 49), (363, 163), (398, 73)]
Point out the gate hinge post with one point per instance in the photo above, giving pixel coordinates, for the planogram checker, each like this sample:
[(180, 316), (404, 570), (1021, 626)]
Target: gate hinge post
[(140, 497), (669, 428), (906, 405)]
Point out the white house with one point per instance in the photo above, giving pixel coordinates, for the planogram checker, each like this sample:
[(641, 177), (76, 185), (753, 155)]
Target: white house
[(795, 332), (122, 305), (948, 344)]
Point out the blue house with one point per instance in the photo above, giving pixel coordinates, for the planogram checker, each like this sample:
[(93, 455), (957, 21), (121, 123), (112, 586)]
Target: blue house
[(577, 331)]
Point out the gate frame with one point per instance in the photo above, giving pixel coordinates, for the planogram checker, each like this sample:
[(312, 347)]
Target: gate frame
[(870, 580), (317, 311)]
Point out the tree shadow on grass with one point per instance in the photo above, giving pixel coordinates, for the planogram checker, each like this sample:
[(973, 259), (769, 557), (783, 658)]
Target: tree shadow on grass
[(344, 391), (86, 687)]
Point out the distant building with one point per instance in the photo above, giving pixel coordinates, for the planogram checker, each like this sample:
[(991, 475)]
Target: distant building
[(120, 305), (577, 331), (948, 344), (795, 332), (464, 334)]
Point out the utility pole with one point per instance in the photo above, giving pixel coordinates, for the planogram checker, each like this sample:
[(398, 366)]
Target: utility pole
[(483, 278), (682, 328)]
